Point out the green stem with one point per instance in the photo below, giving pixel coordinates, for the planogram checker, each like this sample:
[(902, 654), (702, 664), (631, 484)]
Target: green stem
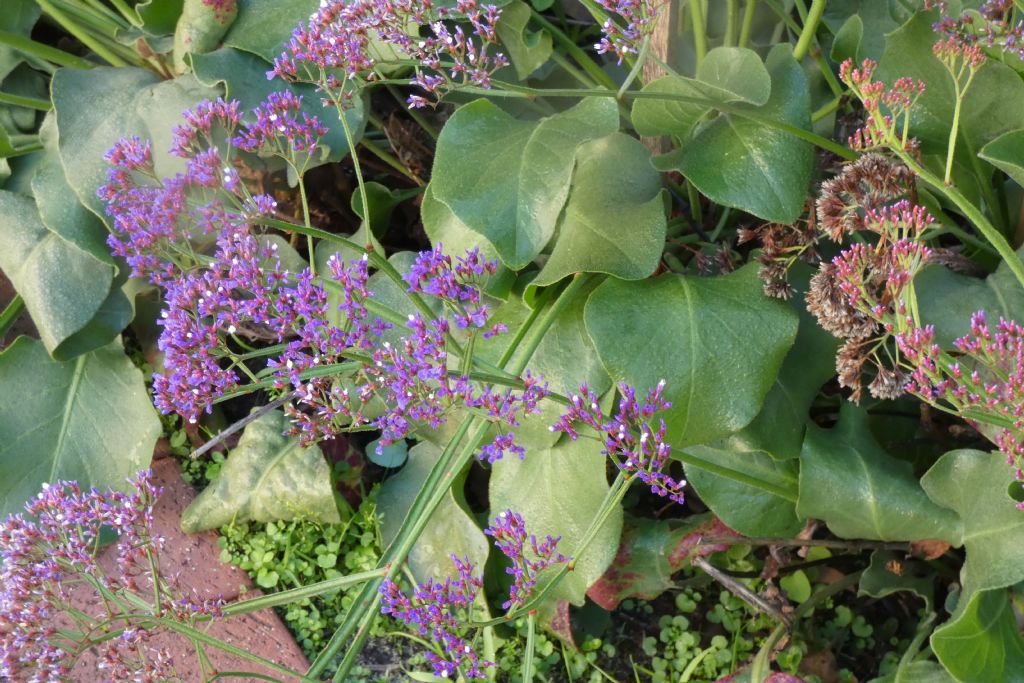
[(810, 27), (308, 224), (700, 38), (81, 34), (953, 130), (27, 102), (10, 314), (45, 52), (531, 635), (573, 50), (350, 140), (732, 15), (789, 494), (414, 113), (301, 593), (389, 159), (635, 71), (748, 23), (827, 109), (127, 12)]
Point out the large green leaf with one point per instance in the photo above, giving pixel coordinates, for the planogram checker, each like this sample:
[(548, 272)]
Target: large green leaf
[(974, 484), (860, 27), (244, 76), (95, 108), (614, 219), (912, 576), (1006, 153), (726, 74), (450, 529), (860, 491), (983, 642), (507, 179), (717, 342), (994, 101), (264, 26), (528, 50), (750, 510), (947, 299), (266, 477), (62, 285), (751, 165), (652, 551), (87, 420), (559, 491)]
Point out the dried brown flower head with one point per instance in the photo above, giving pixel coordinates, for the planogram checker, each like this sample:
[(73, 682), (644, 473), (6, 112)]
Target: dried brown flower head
[(865, 185), (831, 306)]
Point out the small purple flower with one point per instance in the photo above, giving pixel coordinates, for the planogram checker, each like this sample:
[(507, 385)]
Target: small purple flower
[(625, 29), (457, 284), (281, 128), (197, 133), (529, 557)]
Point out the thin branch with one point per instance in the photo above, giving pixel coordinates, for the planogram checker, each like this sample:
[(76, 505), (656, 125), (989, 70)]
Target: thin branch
[(741, 591), (251, 417), (798, 543)]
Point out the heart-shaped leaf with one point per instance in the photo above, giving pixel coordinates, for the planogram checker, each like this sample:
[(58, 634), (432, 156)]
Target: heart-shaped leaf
[(528, 50), (507, 179), (87, 420), (974, 484), (717, 342), (1006, 153), (860, 491), (266, 477), (983, 642), (614, 219)]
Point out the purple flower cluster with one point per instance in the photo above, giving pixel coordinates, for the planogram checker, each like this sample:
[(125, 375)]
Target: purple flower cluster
[(435, 610), (625, 29), (529, 557), (988, 378), (44, 558), (458, 285), (282, 128), (346, 37), (629, 440), (995, 30)]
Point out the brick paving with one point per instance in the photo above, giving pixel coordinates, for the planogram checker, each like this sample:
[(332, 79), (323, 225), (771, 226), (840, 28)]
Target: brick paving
[(193, 560)]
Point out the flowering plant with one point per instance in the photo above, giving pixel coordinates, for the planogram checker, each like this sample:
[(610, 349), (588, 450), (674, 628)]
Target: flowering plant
[(530, 254)]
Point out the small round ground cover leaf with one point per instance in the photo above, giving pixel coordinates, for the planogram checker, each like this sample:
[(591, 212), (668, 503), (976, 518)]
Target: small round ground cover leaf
[(88, 420), (449, 530), (860, 491), (63, 286), (97, 107), (974, 484), (750, 510), (982, 643), (614, 218), (750, 165), (266, 477), (717, 342), (507, 179), (558, 491)]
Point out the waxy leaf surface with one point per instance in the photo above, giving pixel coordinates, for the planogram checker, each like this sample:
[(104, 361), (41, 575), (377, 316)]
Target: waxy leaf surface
[(717, 342), (982, 643), (266, 477), (88, 420)]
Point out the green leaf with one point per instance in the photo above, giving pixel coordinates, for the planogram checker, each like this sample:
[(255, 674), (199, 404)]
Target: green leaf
[(449, 530), (507, 179), (444, 227), (983, 642), (528, 50), (695, 333), (1006, 153), (95, 108), (559, 491), (264, 26), (860, 491), (200, 27), (860, 27), (266, 477), (87, 420), (159, 17), (847, 41), (614, 220), (650, 552), (63, 286), (994, 100), (391, 455), (750, 510), (920, 671), (974, 484), (947, 299), (725, 75), (914, 577), (750, 165), (245, 79)]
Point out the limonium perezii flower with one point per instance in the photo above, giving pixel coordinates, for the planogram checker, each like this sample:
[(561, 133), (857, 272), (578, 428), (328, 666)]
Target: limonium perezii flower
[(528, 555)]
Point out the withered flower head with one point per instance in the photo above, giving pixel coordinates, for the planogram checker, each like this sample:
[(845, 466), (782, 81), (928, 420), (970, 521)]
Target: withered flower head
[(887, 384), (867, 184), (831, 306), (849, 363)]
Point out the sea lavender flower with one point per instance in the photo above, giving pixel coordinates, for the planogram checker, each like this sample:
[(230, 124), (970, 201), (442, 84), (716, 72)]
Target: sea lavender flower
[(438, 610), (457, 284), (630, 22), (888, 110), (282, 129), (340, 44), (629, 440), (53, 549), (994, 29), (528, 555)]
